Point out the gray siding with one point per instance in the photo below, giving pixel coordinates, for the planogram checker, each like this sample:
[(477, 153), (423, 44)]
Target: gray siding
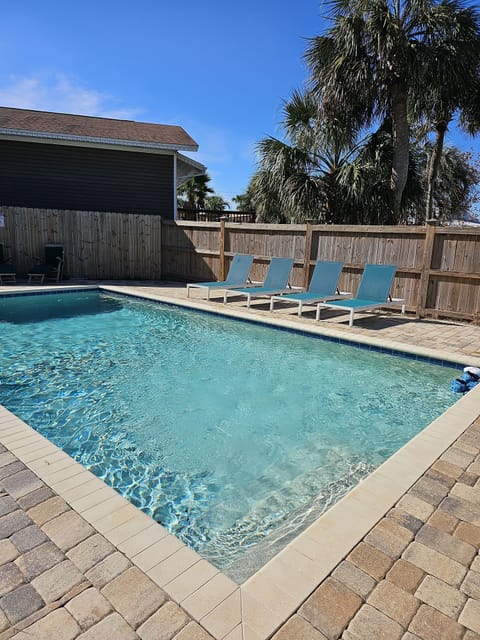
[(85, 179)]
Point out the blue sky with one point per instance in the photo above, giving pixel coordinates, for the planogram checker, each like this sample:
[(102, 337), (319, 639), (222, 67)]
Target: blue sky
[(218, 69)]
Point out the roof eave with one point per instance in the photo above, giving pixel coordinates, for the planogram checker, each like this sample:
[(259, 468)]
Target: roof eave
[(191, 168), (88, 140)]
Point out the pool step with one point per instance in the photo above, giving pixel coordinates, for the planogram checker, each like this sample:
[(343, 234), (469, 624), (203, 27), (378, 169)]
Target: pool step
[(278, 519)]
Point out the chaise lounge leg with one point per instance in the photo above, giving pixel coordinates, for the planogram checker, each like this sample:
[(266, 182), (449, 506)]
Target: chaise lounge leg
[(300, 308), (271, 304), (38, 276), (350, 322), (317, 316)]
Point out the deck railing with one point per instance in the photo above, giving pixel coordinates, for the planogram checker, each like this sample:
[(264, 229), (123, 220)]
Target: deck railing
[(210, 215)]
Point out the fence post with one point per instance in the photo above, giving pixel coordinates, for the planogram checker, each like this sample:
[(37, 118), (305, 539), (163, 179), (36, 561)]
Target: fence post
[(222, 250), (425, 271), (307, 254)]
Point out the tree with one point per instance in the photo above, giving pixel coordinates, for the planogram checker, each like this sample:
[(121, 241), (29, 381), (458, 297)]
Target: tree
[(244, 201), (455, 59), (298, 177), (366, 68), (194, 191), (314, 173), (215, 203), (456, 185), (305, 177)]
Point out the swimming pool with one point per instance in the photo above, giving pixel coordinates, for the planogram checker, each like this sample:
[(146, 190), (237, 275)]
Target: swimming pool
[(232, 435)]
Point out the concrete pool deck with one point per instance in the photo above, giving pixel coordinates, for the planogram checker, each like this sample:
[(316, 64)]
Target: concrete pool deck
[(396, 558)]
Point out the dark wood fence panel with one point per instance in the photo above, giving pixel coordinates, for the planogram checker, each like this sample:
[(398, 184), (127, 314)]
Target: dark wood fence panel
[(438, 268), (191, 250)]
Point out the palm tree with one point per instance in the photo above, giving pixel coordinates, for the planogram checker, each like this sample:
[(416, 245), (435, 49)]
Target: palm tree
[(456, 184), (244, 201), (194, 192), (455, 60), (316, 173), (366, 68), (215, 203), (305, 176), (298, 176), (366, 181), (266, 199)]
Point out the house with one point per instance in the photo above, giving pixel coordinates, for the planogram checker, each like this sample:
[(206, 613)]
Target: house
[(64, 161)]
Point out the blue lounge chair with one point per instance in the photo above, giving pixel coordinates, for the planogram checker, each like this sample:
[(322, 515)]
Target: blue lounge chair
[(7, 270), (323, 286), (373, 292), (237, 276), (276, 281)]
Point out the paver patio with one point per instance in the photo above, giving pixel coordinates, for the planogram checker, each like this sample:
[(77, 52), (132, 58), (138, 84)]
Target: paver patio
[(414, 575), (61, 579)]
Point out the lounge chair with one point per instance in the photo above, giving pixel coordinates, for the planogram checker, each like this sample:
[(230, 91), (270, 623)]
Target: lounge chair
[(7, 270), (237, 276), (51, 268), (373, 292), (275, 283), (323, 286)]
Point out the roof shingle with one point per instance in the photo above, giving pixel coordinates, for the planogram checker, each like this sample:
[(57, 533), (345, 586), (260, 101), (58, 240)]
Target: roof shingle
[(77, 126)]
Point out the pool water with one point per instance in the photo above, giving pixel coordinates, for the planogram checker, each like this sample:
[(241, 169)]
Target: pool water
[(232, 435)]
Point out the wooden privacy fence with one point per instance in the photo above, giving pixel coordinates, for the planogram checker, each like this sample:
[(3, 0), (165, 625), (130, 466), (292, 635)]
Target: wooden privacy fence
[(98, 245), (438, 268)]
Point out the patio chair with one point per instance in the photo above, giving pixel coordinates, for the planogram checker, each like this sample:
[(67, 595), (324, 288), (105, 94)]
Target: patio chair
[(51, 268), (7, 269), (237, 276), (323, 286), (373, 292), (275, 283)]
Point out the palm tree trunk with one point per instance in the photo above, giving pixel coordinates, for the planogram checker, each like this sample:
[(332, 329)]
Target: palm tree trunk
[(401, 140), (434, 165), (329, 200)]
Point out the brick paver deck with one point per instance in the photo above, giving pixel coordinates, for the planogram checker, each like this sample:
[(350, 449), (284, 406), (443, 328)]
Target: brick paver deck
[(60, 579), (414, 576)]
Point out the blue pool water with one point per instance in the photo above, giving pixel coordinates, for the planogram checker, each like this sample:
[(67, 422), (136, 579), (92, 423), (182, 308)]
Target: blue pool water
[(234, 436)]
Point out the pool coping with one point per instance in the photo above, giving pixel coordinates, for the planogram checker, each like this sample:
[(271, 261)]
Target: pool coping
[(255, 609)]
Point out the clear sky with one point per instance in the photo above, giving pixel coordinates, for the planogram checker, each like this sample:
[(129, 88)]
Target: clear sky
[(219, 69)]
